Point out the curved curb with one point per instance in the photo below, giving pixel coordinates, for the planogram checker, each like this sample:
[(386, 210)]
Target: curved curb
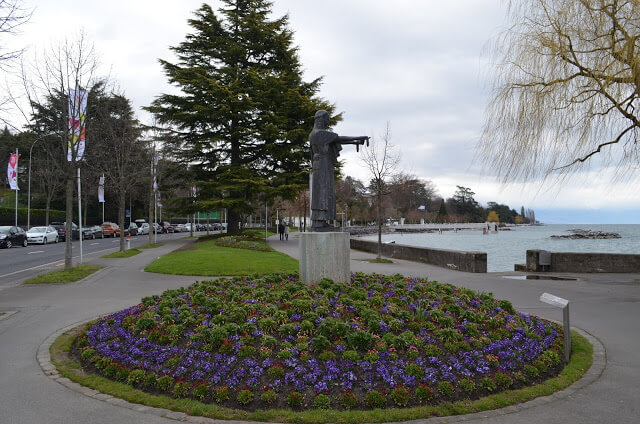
[(593, 373)]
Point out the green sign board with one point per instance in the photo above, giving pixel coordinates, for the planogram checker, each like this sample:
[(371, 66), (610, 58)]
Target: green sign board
[(212, 215)]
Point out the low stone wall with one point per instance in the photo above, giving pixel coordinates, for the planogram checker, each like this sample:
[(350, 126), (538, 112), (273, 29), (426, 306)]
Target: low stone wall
[(453, 259), (584, 262)]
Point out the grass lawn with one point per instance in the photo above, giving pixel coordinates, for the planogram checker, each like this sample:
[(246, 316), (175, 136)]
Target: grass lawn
[(126, 254), (207, 259), (64, 276), (150, 246)]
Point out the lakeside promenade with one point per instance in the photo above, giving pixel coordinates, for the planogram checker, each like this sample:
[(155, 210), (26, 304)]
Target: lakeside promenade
[(604, 305)]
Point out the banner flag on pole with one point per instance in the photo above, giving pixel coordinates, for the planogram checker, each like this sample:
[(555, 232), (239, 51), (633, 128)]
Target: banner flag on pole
[(101, 190), (12, 171), (77, 116)]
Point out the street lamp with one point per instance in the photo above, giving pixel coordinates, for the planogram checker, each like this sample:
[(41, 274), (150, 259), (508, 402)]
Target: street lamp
[(29, 183)]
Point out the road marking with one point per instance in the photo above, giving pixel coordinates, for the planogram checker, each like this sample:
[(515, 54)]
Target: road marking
[(35, 251), (93, 244)]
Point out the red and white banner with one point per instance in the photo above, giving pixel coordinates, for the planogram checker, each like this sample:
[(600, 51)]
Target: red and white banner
[(12, 171), (77, 111)]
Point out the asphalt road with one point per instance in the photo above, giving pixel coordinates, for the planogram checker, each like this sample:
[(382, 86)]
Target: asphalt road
[(20, 263)]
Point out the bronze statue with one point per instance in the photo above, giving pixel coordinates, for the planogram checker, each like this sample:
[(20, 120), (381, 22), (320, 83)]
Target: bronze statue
[(325, 149)]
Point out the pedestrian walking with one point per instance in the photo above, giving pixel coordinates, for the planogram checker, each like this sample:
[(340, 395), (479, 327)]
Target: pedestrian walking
[(286, 231), (281, 230)]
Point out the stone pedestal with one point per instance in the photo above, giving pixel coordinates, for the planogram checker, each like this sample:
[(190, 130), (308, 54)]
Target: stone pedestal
[(324, 255)]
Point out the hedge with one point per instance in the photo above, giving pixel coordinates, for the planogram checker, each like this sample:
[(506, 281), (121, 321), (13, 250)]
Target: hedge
[(7, 216)]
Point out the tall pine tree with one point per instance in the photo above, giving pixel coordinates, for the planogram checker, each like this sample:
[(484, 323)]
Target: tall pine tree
[(243, 115)]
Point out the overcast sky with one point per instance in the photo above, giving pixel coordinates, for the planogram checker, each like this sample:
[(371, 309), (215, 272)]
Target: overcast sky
[(416, 64)]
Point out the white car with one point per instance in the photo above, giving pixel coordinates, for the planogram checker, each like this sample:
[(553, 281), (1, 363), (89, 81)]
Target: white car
[(143, 229), (42, 235)]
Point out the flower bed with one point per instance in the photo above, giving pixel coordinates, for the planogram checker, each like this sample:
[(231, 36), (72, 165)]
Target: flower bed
[(243, 242), (256, 343)]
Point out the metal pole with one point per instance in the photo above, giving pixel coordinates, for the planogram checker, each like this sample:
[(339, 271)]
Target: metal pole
[(79, 216), (16, 190), (29, 187), (266, 212), (103, 203), (567, 333)]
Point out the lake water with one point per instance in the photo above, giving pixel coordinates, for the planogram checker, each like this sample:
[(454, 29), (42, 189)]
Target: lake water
[(508, 247)]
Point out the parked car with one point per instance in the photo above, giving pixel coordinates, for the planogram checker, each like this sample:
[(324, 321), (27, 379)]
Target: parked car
[(87, 233), (157, 228), (109, 229), (119, 231), (139, 222), (96, 232), (187, 227), (167, 227), (61, 228), (143, 229), (179, 228), (12, 236), (133, 229), (42, 235)]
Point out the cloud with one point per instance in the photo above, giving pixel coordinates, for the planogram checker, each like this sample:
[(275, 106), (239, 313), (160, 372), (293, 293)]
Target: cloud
[(415, 64)]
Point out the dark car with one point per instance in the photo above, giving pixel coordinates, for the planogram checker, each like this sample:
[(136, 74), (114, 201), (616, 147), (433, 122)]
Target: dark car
[(61, 227), (166, 227), (96, 232), (12, 236), (133, 229)]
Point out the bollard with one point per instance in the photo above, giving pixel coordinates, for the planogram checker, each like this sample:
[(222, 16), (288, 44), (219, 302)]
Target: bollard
[(128, 241), (564, 304)]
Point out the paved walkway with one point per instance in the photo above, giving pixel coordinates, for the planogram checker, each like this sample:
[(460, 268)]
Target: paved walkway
[(604, 305)]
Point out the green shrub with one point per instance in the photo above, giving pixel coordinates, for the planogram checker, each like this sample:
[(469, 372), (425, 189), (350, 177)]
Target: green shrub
[(424, 392), (531, 371), (320, 343), (445, 388), (294, 399), (414, 370), (244, 397), (181, 389), (400, 396), (164, 382), (360, 340), (488, 383), (348, 400), (201, 390), (221, 394), (374, 399), (351, 355), (467, 385), (87, 353), (322, 401), (503, 381), (269, 396), (136, 377)]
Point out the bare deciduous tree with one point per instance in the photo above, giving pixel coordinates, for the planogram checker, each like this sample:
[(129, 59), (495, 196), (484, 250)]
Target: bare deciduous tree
[(381, 162), (12, 15), (567, 88), (71, 64)]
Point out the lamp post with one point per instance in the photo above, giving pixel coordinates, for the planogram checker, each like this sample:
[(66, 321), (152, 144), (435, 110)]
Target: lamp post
[(29, 180)]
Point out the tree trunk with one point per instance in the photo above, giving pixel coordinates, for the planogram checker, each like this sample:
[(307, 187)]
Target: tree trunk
[(379, 219), (121, 206), (68, 250), (152, 204), (233, 222)]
